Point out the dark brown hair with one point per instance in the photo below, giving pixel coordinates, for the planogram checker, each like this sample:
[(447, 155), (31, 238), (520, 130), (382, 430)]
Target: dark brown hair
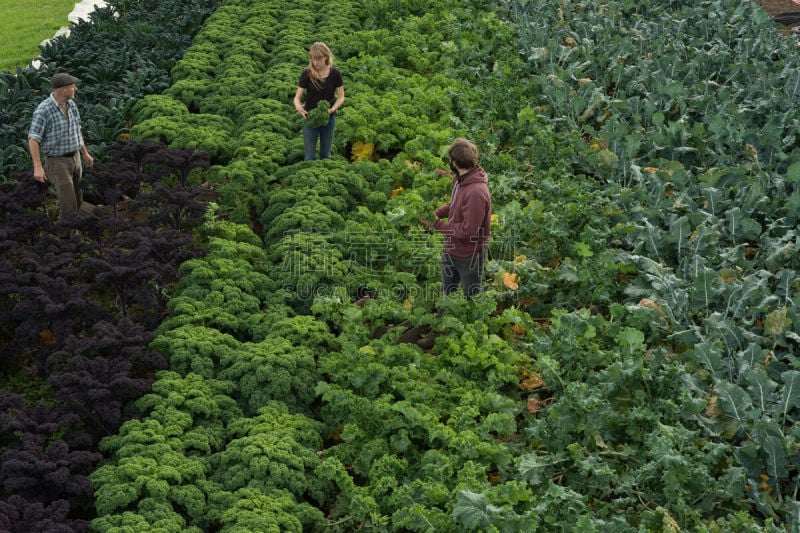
[(463, 154)]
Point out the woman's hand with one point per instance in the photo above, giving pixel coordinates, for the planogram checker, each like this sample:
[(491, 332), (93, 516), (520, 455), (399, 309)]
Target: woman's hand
[(298, 102)]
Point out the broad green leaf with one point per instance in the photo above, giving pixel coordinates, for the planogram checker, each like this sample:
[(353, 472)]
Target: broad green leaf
[(776, 459), (793, 173), (470, 511), (749, 229), (707, 288), (734, 401), (790, 392), (710, 356), (749, 457), (584, 250), (532, 467), (761, 388), (750, 358), (631, 340)]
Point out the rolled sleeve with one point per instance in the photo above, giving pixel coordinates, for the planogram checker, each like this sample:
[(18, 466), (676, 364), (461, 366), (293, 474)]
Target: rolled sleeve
[(36, 130)]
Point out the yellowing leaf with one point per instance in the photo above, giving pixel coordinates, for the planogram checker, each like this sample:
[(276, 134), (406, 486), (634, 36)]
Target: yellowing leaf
[(647, 302), (408, 303), (728, 275), (47, 338), (362, 151), (764, 485), (776, 322), (534, 405), (651, 170), (584, 81), (397, 192), (520, 259), (712, 410), (599, 442), (752, 152), (607, 157), (530, 380), (510, 281), (651, 304), (668, 524)]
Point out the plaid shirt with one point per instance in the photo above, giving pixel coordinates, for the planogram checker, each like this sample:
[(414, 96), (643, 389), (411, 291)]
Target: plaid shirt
[(56, 133)]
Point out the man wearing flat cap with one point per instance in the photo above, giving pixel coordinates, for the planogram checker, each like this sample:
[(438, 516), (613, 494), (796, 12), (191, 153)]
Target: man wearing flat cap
[(56, 133)]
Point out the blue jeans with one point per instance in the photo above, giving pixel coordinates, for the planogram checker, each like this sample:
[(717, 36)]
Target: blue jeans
[(468, 271), (325, 136)]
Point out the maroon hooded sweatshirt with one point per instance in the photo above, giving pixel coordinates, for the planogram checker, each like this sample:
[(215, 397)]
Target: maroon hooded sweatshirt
[(469, 215)]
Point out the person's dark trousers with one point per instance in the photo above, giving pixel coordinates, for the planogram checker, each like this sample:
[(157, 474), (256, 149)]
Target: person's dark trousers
[(65, 173), (468, 271)]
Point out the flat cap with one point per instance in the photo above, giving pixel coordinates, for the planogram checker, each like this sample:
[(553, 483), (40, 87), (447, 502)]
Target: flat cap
[(62, 79)]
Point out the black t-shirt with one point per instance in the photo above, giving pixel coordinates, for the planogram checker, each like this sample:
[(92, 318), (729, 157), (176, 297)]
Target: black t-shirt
[(325, 91)]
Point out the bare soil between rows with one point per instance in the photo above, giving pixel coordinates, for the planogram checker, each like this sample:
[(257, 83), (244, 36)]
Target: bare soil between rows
[(773, 7)]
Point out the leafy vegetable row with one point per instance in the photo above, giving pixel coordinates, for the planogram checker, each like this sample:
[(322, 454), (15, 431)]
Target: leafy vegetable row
[(78, 315), (628, 371), (703, 126)]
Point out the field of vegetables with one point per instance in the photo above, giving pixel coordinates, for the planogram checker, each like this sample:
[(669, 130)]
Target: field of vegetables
[(249, 342)]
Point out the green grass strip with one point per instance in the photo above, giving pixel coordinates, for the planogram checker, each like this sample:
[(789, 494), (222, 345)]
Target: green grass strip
[(25, 24)]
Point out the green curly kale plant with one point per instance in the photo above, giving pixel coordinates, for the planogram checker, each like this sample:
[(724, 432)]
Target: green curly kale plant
[(320, 115)]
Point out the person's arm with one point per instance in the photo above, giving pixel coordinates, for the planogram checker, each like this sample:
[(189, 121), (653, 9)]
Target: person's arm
[(298, 104), (36, 155), (474, 209), (339, 99), (87, 158), (443, 211)]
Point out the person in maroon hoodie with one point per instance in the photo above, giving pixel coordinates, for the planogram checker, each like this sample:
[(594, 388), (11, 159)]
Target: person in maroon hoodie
[(467, 225)]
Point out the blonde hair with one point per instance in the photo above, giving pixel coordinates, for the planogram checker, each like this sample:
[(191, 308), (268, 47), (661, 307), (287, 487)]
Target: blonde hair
[(318, 49)]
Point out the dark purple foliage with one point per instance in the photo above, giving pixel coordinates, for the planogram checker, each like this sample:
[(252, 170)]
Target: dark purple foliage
[(47, 471), (22, 205), (76, 317), (110, 183), (99, 389), (173, 207), (98, 376), (18, 515), (137, 152), (124, 338), (43, 477), (178, 164), (44, 311)]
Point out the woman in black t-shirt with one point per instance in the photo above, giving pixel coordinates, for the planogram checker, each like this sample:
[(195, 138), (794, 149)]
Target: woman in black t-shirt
[(319, 81)]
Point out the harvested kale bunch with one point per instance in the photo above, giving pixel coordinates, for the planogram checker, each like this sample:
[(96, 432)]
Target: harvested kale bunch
[(319, 116)]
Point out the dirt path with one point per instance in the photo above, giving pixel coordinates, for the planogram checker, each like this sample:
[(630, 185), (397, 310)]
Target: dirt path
[(774, 7)]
